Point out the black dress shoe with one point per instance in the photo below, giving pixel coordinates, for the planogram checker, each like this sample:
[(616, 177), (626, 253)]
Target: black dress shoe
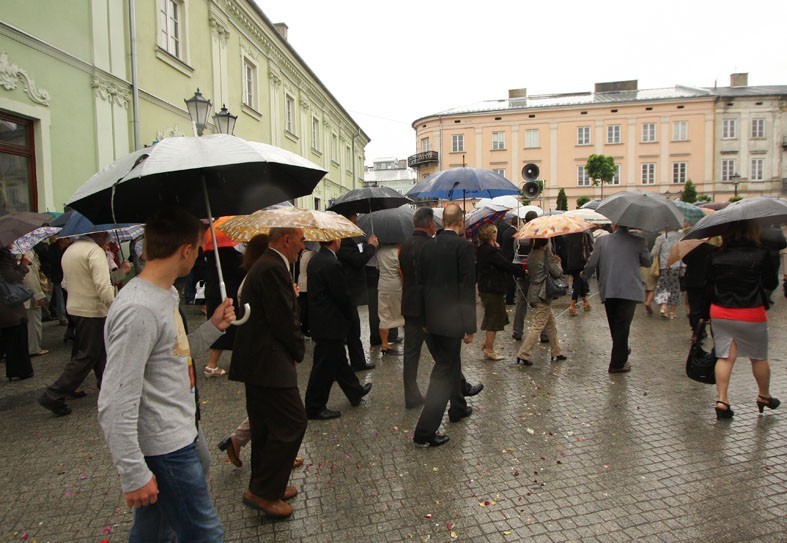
[(366, 388), (325, 414), (436, 441), (367, 366), (60, 410), (20, 377), (391, 351), (456, 417), (626, 368), (472, 390), (412, 405), (559, 358), (516, 336), (544, 339)]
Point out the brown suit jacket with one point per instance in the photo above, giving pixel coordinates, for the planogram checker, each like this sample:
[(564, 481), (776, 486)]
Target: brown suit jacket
[(269, 344)]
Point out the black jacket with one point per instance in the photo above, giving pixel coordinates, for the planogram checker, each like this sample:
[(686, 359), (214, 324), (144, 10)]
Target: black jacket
[(494, 269), (354, 263), (574, 250), (409, 253), (330, 302), (740, 274), (505, 238)]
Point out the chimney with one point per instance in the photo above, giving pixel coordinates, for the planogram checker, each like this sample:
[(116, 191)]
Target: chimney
[(517, 93), (616, 86), (281, 28), (739, 80)]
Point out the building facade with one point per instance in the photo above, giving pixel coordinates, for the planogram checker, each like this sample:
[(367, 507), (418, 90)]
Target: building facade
[(392, 173), (84, 83), (659, 138)]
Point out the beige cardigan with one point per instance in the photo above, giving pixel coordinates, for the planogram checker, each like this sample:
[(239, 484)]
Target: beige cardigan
[(86, 279)]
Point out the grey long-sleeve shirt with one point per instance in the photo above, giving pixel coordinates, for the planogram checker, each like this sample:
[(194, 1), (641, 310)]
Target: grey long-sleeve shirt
[(146, 406)]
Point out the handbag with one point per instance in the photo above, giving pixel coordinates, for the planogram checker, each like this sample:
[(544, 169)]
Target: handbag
[(14, 293), (199, 296), (556, 287), (701, 364), (655, 271)]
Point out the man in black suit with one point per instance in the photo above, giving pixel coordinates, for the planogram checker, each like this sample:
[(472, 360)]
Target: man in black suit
[(446, 277), (264, 354), (505, 239), (330, 319), (353, 254)]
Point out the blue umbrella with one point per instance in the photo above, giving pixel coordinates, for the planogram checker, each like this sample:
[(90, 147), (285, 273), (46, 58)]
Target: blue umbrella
[(79, 225), (461, 183)]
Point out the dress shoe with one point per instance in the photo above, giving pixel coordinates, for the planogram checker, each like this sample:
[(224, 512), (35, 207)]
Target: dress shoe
[(391, 351), (559, 358), (20, 377), (472, 390), (523, 361), (367, 366), (456, 417), (60, 410), (289, 493), (366, 388), (412, 405), (397, 340), (516, 336), (298, 462), (436, 441), (232, 449), (325, 414), (624, 369), (78, 393), (272, 508)]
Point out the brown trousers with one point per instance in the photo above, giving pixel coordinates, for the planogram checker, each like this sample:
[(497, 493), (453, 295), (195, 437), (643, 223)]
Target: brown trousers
[(543, 319)]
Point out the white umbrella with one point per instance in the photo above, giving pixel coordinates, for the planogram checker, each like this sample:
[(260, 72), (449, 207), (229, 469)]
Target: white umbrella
[(523, 210), (588, 215)]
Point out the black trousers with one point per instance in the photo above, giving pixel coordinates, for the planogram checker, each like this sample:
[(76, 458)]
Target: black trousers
[(330, 364), (88, 353), (620, 313), (13, 345), (579, 287), (354, 345), (277, 420), (445, 384), (303, 304), (414, 336)]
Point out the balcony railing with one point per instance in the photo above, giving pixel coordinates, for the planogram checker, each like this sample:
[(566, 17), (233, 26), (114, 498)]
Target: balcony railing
[(421, 158)]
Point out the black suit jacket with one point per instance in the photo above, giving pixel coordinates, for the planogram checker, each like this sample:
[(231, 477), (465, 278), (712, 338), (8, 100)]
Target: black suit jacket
[(494, 269), (409, 253), (354, 263), (447, 277), (270, 342), (330, 303)]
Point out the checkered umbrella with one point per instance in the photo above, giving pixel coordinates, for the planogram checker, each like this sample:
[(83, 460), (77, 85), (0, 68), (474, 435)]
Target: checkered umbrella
[(479, 217), (691, 213)]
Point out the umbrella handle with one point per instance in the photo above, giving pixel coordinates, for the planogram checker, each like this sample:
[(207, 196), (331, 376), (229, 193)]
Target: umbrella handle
[(245, 317)]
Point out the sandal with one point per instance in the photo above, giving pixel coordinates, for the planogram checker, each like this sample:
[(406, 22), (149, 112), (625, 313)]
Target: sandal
[(214, 372), (572, 310), (585, 305), (492, 355)]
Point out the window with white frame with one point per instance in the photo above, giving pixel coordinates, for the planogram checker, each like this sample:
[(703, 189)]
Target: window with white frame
[(727, 170), (170, 27), (680, 131), (757, 128), (317, 203), (613, 134), (583, 135), (531, 138), (289, 114), (457, 143), (249, 83), (348, 161), (648, 132), (315, 134), (500, 171), (335, 148), (583, 179), (757, 169), (729, 129), (616, 177), (648, 173), (424, 145), (679, 170), (498, 141)]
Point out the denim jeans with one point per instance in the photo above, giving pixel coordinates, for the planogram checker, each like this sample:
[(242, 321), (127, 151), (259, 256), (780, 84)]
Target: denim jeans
[(184, 509)]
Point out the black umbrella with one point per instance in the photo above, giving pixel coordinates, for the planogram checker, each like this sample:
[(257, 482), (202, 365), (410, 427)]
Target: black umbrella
[(645, 210), (593, 204), (15, 225), (391, 226), (367, 200), (767, 210)]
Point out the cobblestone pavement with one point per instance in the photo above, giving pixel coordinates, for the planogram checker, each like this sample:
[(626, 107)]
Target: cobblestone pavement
[(554, 452)]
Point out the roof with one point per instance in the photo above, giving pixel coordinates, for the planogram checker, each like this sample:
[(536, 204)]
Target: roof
[(386, 176), (762, 90)]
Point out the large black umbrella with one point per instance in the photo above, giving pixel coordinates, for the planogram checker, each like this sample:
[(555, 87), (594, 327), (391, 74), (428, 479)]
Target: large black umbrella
[(15, 225), (762, 208), (645, 210), (391, 226), (367, 200)]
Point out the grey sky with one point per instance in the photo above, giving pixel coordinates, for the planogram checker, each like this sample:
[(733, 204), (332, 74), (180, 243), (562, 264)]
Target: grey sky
[(389, 63)]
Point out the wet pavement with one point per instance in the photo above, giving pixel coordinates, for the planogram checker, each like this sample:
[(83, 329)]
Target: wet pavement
[(558, 451)]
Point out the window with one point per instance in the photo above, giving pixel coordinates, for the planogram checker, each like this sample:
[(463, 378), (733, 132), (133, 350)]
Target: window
[(249, 83), (457, 143), (679, 172), (648, 132), (583, 135), (757, 168), (583, 179), (289, 114), (317, 203), (500, 171), (424, 145), (757, 128), (616, 178), (498, 141), (727, 170), (170, 14), (531, 138), (315, 135), (729, 129), (348, 162), (613, 133), (17, 164), (335, 148), (648, 173), (680, 131)]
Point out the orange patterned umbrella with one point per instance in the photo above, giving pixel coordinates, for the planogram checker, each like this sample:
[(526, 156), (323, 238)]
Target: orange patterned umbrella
[(550, 226), (316, 225)]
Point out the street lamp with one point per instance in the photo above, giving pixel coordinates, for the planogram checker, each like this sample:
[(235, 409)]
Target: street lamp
[(735, 179), (225, 121), (199, 109)]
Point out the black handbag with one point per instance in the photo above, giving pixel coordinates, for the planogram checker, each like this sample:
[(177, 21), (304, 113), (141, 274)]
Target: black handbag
[(556, 287), (14, 293), (701, 364)]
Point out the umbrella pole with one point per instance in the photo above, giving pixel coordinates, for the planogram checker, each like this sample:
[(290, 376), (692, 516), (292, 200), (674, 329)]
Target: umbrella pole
[(371, 218)]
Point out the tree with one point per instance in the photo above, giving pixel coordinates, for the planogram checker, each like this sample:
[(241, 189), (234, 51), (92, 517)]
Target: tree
[(689, 193), (562, 200), (601, 169), (704, 198), (582, 200), (736, 199)]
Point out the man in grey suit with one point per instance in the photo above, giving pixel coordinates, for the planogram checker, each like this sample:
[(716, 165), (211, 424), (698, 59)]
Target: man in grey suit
[(617, 259)]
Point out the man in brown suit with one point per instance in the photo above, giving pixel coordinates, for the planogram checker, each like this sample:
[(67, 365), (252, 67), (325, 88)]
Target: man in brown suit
[(264, 355)]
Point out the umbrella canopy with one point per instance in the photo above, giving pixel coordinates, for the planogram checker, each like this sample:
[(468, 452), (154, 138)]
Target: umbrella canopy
[(593, 204), (62, 219), (222, 238), (588, 215), (15, 225), (79, 225), (391, 226), (682, 248), (240, 176), (510, 201), (479, 217), (769, 210), (691, 213), (521, 211), (713, 205), (31, 239), (367, 200), (316, 225), (645, 210), (461, 183), (551, 226)]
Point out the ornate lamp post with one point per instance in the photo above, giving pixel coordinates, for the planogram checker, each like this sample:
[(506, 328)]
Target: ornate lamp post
[(735, 179), (199, 109), (225, 121)]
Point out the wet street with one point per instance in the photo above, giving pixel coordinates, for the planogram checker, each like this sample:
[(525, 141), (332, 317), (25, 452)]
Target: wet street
[(558, 451)]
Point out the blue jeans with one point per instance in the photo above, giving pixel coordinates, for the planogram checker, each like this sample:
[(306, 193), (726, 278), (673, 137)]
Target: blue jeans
[(184, 509)]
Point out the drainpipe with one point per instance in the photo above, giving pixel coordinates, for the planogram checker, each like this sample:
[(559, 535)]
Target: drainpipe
[(440, 156), (134, 83), (358, 135)]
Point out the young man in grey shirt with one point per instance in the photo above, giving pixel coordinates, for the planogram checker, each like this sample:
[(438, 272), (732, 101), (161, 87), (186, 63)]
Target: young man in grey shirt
[(147, 407)]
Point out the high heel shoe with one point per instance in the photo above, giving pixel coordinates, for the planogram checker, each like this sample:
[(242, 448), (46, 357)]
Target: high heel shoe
[(724, 413), (572, 310), (491, 354), (585, 305), (523, 361), (770, 403)]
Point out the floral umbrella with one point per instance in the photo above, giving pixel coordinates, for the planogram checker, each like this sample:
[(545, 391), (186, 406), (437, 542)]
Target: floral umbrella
[(316, 225), (588, 215), (551, 226), (31, 239)]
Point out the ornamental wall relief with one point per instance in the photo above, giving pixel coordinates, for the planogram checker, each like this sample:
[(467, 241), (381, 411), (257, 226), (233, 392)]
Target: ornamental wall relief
[(11, 74)]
